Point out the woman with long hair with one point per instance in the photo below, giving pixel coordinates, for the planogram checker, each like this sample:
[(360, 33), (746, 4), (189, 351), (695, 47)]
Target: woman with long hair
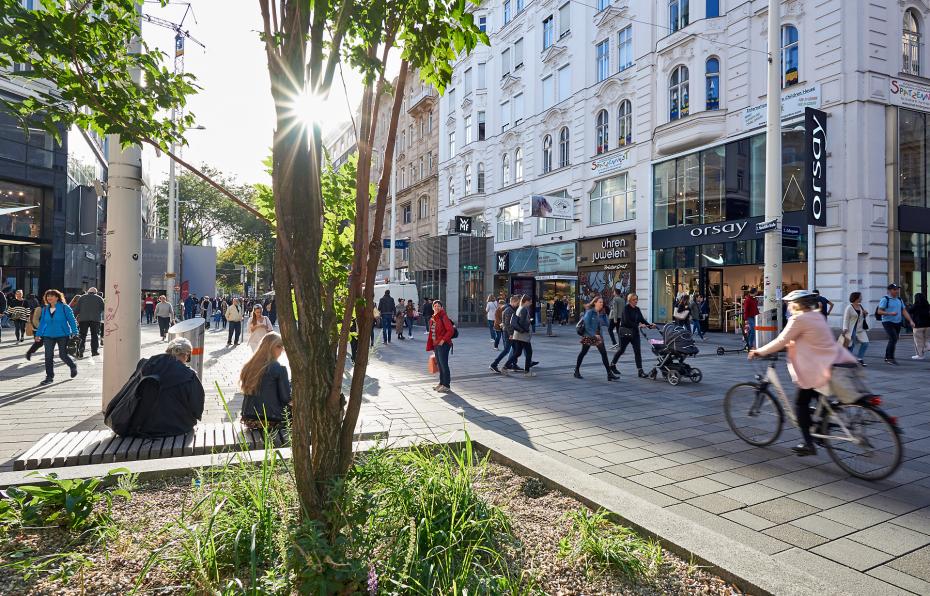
[(56, 325), (259, 326), (265, 385), (920, 313), (592, 337)]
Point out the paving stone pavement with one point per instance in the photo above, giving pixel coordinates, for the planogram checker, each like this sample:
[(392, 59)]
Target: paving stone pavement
[(672, 446)]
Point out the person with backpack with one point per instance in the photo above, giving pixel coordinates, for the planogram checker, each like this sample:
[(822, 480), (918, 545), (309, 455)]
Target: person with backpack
[(523, 336), (630, 322), (90, 315), (589, 329), (56, 325), (920, 315), (387, 310), (750, 310), (891, 312), (439, 342), (34, 315), (507, 314), (265, 385)]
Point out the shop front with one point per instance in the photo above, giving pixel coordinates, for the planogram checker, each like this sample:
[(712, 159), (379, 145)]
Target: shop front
[(428, 267), (557, 278), (606, 266), (515, 272)]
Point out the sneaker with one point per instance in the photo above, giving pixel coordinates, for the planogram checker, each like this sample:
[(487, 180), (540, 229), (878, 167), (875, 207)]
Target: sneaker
[(614, 370), (529, 373), (443, 389), (47, 381), (916, 357), (804, 449), (495, 369), (615, 346), (533, 363), (28, 355), (437, 386), (891, 361), (861, 362), (74, 372), (577, 374)]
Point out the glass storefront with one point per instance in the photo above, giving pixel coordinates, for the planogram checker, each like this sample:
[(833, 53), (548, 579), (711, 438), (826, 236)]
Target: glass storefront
[(19, 268), (913, 229), (915, 262), (26, 223)]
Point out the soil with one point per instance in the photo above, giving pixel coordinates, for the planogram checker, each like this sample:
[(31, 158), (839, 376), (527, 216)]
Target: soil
[(537, 516)]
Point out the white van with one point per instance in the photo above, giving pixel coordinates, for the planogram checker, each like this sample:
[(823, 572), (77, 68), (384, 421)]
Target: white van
[(405, 290)]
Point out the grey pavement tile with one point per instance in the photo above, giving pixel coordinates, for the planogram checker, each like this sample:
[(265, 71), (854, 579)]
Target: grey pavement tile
[(800, 480), (651, 479), (702, 486), (823, 526), (730, 478), (715, 503), (579, 452), (916, 520), (900, 579), (841, 577), (892, 539), (856, 515), (656, 498), (762, 471), (676, 492), (596, 461), (743, 534), (916, 563), (686, 472), (847, 490), (885, 502), (754, 522), (684, 457), (852, 554), (651, 464), (911, 494), (751, 494), (817, 499), (623, 456), (621, 470), (794, 535), (782, 510), (571, 461)]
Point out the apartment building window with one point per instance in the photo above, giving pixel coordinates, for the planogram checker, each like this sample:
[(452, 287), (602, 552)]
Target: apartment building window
[(452, 144), (481, 80), (413, 175), (517, 109), (505, 170), (565, 19), (602, 132), (548, 92), (429, 126), (547, 154), (423, 208), (403, 138), (505, 115), (509, 223), (678, 105), (429, 161), (625, 122), (467, 129), (911, 43), (602, 4), (507, 15), (505, 62), (612, 200), (406, 213), (625, 43), (481, 125), (602, 60), (483, 23), (564, 147), (712, 76), (518, 53), (518, 165), (713, 8), (422, 168), (467, 80), (401, 172), (552, 225), (467, 179), (565, 82), (790, 55), (451, 191), (677, 15), (547, 32), (479, 183), (519, 6), (452, 99)]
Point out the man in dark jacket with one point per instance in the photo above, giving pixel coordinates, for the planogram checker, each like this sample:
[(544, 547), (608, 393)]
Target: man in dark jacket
[(89, 314), (174, 404), (506, 334), (387, 310), (3, 306)]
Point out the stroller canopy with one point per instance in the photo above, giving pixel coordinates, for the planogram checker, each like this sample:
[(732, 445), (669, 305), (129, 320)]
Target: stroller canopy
[(678, 339)]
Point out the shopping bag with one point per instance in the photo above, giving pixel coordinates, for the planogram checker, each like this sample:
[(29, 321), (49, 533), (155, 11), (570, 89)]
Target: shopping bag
[(433, 365)]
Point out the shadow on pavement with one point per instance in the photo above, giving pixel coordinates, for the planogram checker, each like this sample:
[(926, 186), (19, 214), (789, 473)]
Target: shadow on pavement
[(488, 420)]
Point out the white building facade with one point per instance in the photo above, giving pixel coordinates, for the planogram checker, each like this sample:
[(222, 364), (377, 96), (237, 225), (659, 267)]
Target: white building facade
[(648, 117)]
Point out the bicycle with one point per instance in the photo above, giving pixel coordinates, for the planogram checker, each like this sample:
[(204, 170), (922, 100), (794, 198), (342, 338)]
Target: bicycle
[(860, 437)]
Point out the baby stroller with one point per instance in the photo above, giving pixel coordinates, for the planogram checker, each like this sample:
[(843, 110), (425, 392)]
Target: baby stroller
[(672, 350)]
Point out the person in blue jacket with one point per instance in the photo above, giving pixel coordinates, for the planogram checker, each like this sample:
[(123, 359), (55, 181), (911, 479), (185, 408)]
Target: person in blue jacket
[(56, 325), (592, 337)]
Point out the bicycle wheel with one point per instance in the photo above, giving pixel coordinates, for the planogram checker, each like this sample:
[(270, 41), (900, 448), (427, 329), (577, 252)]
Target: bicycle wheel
[(753, 414), (872, 448)]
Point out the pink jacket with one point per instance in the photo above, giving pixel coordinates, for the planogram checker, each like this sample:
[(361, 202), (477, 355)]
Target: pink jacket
[(812, 350)]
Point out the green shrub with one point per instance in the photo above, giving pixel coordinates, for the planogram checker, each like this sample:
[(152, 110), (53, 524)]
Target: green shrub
[(601, 545)]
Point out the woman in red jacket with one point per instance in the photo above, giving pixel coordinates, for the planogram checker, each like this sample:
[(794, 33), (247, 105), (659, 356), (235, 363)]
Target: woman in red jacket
[(439, 342)]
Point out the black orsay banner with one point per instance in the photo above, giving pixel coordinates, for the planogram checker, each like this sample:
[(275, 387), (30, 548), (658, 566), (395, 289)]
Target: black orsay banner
[(815, 160)]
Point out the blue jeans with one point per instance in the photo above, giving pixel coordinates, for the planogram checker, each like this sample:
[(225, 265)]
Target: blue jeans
[(504, 352), (408, 321), (442, 359), (751, 336), (492, 331), (696, 328), (50, 344), (386, 327), (863, 346), (894, 331)]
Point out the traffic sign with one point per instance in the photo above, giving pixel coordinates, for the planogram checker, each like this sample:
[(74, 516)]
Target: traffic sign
[(764, 227), (791, 231), (398, 244)]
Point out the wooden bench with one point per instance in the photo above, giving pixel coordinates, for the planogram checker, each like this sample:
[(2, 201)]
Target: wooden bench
[(103, 446)]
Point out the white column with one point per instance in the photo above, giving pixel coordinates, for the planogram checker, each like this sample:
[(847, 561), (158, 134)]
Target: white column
[(393, 217), (773, 256), (170, 274)]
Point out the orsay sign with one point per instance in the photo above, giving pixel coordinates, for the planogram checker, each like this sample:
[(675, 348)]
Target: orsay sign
[(724, 231), (815, 158), (730, 230)]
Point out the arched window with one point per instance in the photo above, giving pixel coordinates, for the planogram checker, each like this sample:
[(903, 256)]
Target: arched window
[(467, 179), (547, 154), (602, 132), (625, 122), (451, 191), (790, 56), (480, 182), (910, 41), (712, 75), (564, 153), (678, 105), (505, 170), (518, 165)]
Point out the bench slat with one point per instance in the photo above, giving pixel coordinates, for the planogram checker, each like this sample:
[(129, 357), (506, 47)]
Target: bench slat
[(67, 447), (189, 446), (75, 454), (109, 454), (43, 458), (20, 463), (209, 438), (105, 439)]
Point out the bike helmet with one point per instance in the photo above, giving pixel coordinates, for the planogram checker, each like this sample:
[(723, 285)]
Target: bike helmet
[(805, 298)]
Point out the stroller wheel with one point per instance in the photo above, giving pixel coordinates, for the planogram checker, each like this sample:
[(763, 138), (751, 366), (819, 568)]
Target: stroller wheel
[(721, 351), (696, 375), (674, 377)]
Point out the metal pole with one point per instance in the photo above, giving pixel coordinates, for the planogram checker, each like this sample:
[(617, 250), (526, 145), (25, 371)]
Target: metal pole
[(773, 175), (811, 257), (123, 268), (393, 217), (255, 288), (170, 274)]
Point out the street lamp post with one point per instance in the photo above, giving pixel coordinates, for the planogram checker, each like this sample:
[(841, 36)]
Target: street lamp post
[(773, 179), (171, 277)]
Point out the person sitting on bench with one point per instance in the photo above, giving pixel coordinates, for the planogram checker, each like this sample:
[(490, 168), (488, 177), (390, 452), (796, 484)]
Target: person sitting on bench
[(265, 384)]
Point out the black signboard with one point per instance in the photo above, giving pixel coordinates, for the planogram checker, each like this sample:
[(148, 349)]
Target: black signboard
[(815, 160), (503, 262), (724, 231), (462, 224)]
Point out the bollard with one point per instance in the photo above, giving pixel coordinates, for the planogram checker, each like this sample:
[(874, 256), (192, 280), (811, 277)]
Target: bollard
[(766, 327), (193, 330)]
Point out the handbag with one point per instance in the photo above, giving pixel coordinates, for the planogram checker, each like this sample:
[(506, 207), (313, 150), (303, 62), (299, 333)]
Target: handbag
[(432, 365)]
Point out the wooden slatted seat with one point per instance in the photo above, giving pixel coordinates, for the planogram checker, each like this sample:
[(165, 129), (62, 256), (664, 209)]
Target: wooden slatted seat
[(102, 446)]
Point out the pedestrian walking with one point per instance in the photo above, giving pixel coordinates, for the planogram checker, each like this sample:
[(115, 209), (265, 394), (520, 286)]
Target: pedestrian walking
[(750, 310), (410, 316), (3, 315), (18, 311), (682, 313), (399, 318), (507, 314), (893, 312), (259, 326), (920, 315), (164, 314), (498, 322), (387, 310), (427, 311), (234, 318), (439, 343), (35, 314), (205, 305), (89, 316), (826, 307), (704, 310), (855, 327), (592, 337), (56, 325), (523, 336), (695, 309), (616, 310), (266, 390), (490, 309), (224, 304), (149, 305), (271, 311), (630, 323)]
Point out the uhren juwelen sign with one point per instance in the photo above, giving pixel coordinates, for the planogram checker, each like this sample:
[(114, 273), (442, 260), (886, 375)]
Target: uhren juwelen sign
[(815, 152)]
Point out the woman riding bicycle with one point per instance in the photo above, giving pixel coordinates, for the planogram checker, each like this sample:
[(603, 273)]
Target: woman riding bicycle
[(812, 352)]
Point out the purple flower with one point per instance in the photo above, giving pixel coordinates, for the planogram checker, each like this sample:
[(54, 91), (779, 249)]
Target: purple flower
[(372, 580)]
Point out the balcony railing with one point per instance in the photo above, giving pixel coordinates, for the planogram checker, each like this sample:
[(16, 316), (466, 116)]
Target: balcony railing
[(419, 98)]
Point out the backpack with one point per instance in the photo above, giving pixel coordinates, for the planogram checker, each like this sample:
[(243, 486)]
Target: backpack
[(887, 300), (579, 326), (123, 414)]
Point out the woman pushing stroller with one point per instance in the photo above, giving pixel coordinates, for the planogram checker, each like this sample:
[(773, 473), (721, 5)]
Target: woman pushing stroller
[(631, 321)]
